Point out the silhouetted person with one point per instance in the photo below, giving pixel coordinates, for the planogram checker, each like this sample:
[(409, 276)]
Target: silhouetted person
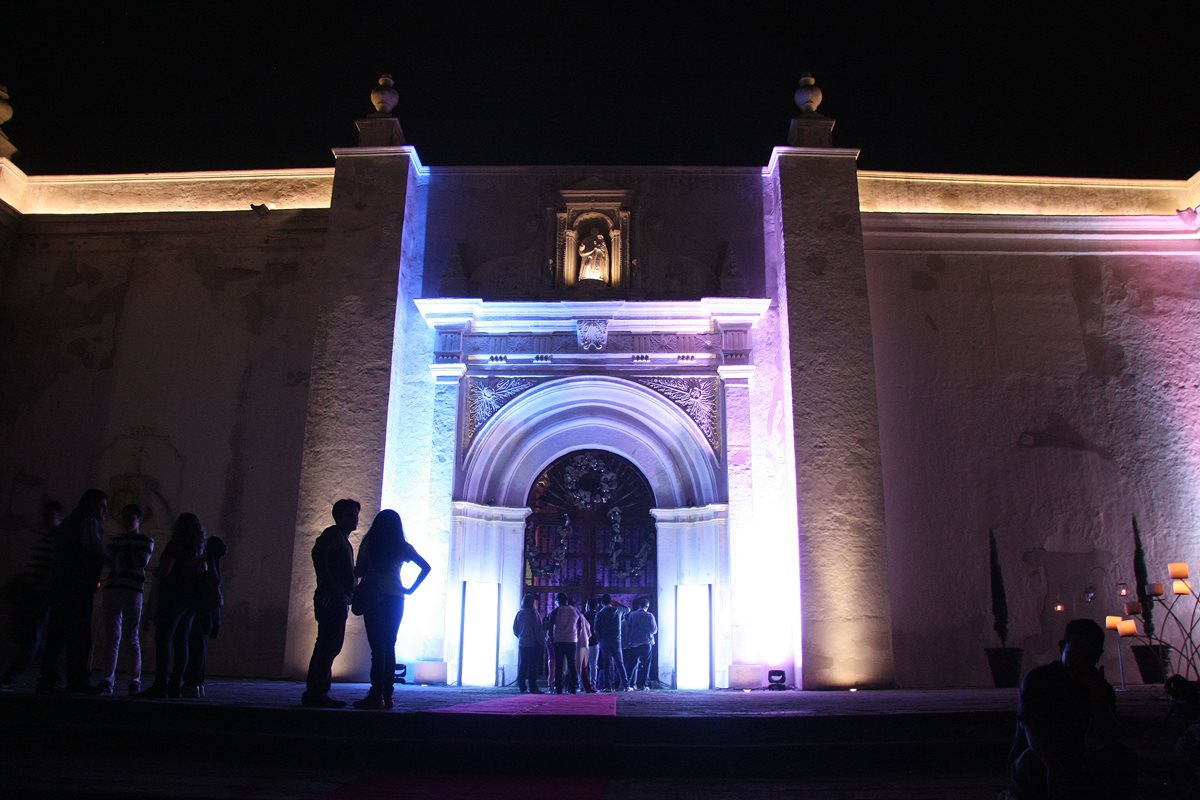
[(210, 596), (1066, 745), (531, 634), (564, 627), (640, 629), (178, 573), (611, 674), (380, 556), (333, 561), (30, 594), (79, 558), (121, 600)]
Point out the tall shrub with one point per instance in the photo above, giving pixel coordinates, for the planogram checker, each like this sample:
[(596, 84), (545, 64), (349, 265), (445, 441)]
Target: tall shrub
[(999, 598), (1141, 576)]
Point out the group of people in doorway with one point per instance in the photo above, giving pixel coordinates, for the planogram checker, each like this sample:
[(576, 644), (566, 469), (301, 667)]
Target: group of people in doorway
[(71, 559), (605, 647)]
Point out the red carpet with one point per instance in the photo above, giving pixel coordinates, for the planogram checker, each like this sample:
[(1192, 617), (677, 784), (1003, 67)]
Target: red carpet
[(582, 705)]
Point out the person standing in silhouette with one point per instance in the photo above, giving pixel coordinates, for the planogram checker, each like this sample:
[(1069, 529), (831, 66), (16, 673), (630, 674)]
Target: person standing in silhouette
[(79, 558), (333, 561), (380, 556), (30, 594), (530, 633)]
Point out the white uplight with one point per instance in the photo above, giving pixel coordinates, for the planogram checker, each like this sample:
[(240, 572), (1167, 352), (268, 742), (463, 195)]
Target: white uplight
[(481, 609), (693, 626)]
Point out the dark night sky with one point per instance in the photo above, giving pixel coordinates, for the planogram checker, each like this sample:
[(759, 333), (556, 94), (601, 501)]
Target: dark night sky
[(1005, 89)]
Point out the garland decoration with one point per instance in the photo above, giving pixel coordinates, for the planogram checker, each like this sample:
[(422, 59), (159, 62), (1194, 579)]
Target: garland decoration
[(537, 561), (615, 546), (589, 481)]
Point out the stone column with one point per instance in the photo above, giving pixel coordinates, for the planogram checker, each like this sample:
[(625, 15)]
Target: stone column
[(570, 258), (615, 261), (745, 671), (359, 320), (822, 285), (693, 550)]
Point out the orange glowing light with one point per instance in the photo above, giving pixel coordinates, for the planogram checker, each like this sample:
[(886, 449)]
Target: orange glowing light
[(1127, 627), (1178, 569)]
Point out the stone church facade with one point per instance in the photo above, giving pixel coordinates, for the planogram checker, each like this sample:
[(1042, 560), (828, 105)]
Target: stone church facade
[(786, 403)]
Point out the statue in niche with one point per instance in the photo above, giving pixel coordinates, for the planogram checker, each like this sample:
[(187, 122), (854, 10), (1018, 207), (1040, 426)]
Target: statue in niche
[(593, 258)]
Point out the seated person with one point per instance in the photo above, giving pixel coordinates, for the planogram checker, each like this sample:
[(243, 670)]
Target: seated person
[(1066, 744)]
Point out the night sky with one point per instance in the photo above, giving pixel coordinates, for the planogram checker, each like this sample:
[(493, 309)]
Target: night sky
[(1002, 89)]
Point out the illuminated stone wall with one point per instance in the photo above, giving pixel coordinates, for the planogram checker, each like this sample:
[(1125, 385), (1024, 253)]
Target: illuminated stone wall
[(165, 358), (1041, 381)]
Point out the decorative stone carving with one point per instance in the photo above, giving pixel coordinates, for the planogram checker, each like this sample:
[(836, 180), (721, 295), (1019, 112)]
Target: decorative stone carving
[(729, 277), (593, 258), (700, 400), (486, 396), (592, 240), (592, 333), (454, 278)]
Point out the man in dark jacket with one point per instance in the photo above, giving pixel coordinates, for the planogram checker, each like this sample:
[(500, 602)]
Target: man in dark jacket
[(609, 658), (79, 558), (333, 560)]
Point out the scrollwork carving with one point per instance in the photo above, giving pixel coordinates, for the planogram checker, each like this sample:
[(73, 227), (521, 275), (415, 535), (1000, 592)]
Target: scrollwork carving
[(699, 398), (486, 396)]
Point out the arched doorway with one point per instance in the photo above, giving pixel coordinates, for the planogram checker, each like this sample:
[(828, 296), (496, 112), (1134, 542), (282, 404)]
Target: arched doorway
[(590, 531)]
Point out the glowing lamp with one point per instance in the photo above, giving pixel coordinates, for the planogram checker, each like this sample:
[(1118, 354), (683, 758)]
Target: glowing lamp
[(1060, 606), (1133, 607), (1122, 589), (1112, 622), (481, 607), (1127, 627), (692, 626), (1181, 587), (776, 680), (401, 674), (1155, 589), (1177, 569)]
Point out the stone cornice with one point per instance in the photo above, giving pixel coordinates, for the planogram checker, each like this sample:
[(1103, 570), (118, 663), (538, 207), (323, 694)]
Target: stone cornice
[(1144, 235)]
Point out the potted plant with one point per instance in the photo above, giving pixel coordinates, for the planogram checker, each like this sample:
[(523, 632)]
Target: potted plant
[(1152, 657), (1004, 661)]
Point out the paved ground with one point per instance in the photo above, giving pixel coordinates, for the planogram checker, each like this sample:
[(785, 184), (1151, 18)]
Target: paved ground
[(251, 739)]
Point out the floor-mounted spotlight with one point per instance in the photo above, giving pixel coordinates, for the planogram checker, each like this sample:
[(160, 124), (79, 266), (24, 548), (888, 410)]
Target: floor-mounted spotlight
[(776, 680), (401, 675)]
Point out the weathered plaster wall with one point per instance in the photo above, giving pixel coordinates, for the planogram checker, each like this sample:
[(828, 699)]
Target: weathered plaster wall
[(165, 359), (683, 223), (1048, 395)]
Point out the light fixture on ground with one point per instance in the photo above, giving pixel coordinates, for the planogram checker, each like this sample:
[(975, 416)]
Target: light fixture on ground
[(401, 675), (776, 680)]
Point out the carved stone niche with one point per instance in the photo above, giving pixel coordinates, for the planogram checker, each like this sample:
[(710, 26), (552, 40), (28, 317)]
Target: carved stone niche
[(592, 253)]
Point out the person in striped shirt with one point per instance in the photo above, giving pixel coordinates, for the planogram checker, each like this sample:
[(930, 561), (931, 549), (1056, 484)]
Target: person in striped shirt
[(129, 553)]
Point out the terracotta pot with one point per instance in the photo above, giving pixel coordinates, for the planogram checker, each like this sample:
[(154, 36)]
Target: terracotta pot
[(1152, 661), (1006, 666)]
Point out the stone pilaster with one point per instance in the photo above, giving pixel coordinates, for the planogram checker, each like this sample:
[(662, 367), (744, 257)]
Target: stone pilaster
[(350, 379), (845, 608), (735, 380)]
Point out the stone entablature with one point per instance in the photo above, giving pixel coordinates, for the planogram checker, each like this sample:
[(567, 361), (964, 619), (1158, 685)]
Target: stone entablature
[(612, 335)]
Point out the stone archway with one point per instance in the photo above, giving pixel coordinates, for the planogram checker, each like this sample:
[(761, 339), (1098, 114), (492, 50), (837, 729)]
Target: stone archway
[(529, 434)]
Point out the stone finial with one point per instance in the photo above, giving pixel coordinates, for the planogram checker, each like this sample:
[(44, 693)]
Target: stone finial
[(6, 147), (810, 128), (381, 128), (384, 97), (808, 96)]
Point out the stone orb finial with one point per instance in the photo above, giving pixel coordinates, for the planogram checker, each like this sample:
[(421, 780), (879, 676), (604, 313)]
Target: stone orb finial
[(383, 96), (6, 110), (808, 96)]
